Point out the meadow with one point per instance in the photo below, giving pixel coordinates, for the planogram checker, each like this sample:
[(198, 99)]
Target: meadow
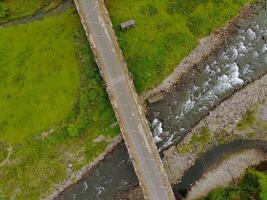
[(166, 31), (53, 105), (21, 8)]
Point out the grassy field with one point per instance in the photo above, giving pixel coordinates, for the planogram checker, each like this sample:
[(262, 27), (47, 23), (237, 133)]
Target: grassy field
[(20, 8), (53, 105), (252, 187), (39, 77), (166, 31)]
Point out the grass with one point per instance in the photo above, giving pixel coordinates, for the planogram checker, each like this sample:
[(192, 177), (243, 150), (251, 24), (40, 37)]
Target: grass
[(3, 152), (248, 119), (39, 77), (166, 31), (49, 84), (200, 141), (252, 187), (21, 8)]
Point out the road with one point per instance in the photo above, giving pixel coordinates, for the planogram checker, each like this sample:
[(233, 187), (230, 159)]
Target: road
[(129, 112)]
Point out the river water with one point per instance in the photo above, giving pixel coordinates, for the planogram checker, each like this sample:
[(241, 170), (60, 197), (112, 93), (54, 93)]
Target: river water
[(211, 158), (112, 175), (240, 61)]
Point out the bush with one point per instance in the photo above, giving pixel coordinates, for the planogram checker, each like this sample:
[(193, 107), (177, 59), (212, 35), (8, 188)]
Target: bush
[(252, 187), (73, 131), (3, 10)]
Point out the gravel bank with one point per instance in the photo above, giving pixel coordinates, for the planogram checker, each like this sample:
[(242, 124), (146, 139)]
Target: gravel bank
[(228, 171), (221, 121)]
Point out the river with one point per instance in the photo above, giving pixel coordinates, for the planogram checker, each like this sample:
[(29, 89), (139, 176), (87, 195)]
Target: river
[(242, 60)]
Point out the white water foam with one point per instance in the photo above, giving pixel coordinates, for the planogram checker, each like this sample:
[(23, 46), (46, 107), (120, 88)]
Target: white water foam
[(251, 34), (157, 130)]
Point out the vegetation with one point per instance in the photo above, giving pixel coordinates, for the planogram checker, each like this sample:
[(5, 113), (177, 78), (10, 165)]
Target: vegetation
[(20, 8), (38, 79), (3, 152), (200, 140), (166, 31), (252, 187), (53, 105), (248, 119), (3, 10)]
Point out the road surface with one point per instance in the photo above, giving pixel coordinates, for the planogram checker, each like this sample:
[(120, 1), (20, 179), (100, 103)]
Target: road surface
[(129, 112)]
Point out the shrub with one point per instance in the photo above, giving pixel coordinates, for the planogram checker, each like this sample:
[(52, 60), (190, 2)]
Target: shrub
[(73, 131), (3, 10)]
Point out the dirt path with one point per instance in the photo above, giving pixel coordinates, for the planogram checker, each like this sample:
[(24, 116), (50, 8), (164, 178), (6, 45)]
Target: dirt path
[(10, 149)]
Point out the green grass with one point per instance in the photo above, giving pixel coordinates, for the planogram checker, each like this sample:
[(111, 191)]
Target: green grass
[(39, 77), (248, 119), (21, 8), (3, 152), (200, 141), (166, 31), (252, 187), (49, 80)]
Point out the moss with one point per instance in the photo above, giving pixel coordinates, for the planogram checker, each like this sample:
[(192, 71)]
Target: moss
[(248, 119), (203, 137), (251, 134), (198, 141), (185, 149)]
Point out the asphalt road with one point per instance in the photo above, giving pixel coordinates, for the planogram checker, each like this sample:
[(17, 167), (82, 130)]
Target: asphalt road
[(133, 124)]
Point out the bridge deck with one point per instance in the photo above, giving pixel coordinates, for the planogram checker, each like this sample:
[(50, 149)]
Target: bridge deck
[(129, 112)]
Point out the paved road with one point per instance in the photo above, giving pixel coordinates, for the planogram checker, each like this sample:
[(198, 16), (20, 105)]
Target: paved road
[(133, 124)]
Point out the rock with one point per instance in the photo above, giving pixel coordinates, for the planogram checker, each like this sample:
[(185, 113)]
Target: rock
[(262, 112), (100, 138)]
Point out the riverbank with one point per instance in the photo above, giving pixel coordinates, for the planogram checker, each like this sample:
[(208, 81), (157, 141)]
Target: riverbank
[(207, 46), (75, 177), (228, 171), (221, 127), (221, 123)]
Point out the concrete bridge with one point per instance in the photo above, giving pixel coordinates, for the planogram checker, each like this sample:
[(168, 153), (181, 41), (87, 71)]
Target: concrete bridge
[(129, 112)]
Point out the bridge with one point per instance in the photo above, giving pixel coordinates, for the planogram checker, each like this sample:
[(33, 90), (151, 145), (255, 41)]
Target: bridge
[(125, 101)]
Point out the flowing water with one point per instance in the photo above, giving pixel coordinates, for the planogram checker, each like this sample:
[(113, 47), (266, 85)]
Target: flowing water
[(112, 175), (211, 158), (240, 61)]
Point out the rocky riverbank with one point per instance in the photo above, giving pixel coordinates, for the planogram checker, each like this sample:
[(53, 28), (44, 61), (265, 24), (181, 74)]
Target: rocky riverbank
[(207, 46), (73, 178), (229, 170), (221, 123)]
